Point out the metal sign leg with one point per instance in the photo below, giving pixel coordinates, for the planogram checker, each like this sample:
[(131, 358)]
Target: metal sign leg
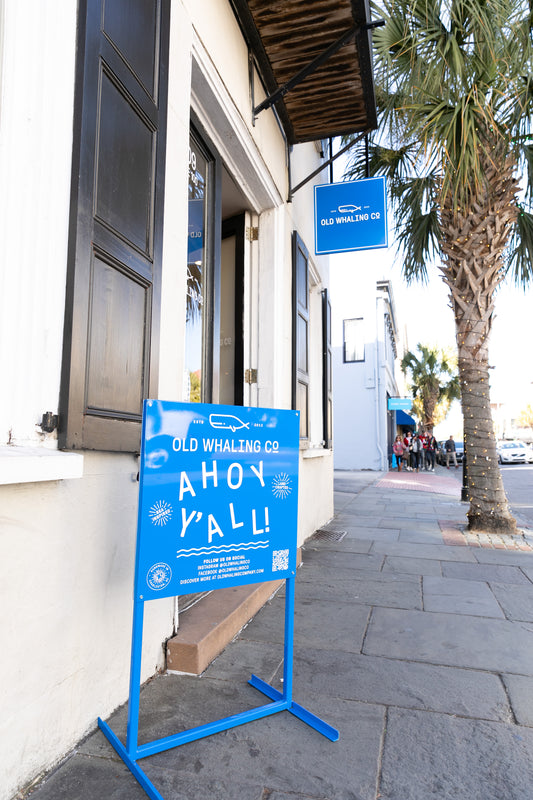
[(282, 701), (306, 716)]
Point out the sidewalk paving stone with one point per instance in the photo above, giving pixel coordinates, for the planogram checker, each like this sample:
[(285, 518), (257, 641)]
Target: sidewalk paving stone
[(349, 544), (272, 751), (406, 684), (337, 559), (516, 601), (486, 572), (355, 521), (443, 757), (244, 658), (415, 566), (453, 596), (528, 572), (83, 777), (311, 629), (520, 691), (432, 551), (491, 644), (421, 535), (506, 558), (341, 563), (375, 534), (389, 590)]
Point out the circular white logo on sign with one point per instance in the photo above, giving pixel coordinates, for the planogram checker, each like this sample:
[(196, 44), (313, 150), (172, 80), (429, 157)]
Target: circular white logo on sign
[(159, 576)]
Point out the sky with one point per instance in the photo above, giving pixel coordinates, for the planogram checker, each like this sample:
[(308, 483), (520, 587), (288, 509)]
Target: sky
[(509, 345), (424, 316), (510, 351)]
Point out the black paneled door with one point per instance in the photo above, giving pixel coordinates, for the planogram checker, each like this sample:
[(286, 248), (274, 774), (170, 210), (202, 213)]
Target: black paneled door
[(113, 284)]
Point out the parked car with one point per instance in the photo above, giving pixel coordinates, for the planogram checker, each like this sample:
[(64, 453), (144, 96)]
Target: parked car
[(513, 453), (441, 452)]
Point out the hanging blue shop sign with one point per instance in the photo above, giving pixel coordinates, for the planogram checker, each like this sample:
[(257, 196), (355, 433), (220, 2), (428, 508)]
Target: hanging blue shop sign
[(351, 216), (218, 498), (400, 403)]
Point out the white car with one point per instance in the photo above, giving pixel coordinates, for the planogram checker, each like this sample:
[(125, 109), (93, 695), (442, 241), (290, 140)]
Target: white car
[(513, 453)]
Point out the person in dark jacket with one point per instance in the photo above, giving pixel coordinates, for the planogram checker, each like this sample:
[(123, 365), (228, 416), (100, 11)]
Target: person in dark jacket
[(430, 451), (449, 446), (418, 449)]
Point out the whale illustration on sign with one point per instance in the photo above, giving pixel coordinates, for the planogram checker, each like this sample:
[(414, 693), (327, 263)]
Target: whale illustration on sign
[(227, 422)]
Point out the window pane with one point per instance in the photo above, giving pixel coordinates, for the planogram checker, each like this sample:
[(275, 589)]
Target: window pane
[(302, 407), (227, 321), (302, 355), (354, 345), (196, 268), (301, 267)]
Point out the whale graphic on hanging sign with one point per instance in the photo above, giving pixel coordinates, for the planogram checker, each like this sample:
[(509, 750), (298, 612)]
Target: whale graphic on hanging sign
[(227, 422), (350, 207)]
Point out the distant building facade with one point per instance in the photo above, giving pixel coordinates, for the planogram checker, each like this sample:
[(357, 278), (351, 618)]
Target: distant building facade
[(365, 351)]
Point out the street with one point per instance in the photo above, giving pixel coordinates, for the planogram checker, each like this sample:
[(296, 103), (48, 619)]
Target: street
[(518, 482)]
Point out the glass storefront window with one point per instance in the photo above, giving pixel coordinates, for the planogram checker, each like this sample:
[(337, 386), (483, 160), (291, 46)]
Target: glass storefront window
[(354, 343), (196, 272)]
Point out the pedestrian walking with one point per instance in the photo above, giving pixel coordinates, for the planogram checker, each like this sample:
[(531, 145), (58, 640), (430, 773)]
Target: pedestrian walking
[(449, 447), (418, 449), (407, 450), (431, 450), (398, 449)]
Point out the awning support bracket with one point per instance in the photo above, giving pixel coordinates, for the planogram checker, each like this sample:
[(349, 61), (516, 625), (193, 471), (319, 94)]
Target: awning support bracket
[(313, 65), (293, 190)]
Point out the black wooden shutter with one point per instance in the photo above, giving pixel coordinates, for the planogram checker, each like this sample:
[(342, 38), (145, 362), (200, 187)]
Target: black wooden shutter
[(115, 245), (300, 360)]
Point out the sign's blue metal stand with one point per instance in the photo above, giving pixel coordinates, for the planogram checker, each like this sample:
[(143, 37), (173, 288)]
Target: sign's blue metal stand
[(281, 701), (161, 455)]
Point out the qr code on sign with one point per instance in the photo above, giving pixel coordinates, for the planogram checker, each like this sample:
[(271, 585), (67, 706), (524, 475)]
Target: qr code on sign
[(280, 560)]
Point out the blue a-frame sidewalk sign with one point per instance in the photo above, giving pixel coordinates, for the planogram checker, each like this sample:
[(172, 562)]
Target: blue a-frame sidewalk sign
[(218, 504)]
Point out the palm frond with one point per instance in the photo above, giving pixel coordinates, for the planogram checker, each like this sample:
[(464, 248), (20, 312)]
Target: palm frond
[(527, 157), (521, 249), (393, 163), (418, 239)]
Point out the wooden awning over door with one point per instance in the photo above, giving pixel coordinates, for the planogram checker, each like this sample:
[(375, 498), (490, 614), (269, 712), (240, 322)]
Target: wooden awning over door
[(286, 36)]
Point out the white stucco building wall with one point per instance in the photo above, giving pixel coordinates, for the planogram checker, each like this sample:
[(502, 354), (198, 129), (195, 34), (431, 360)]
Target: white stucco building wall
[(68, 520)]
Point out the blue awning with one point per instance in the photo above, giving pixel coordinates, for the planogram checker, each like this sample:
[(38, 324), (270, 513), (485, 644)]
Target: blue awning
[(404, 419)]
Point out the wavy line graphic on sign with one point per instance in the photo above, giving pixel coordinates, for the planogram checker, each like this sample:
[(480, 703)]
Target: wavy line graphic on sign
[(222, 548)]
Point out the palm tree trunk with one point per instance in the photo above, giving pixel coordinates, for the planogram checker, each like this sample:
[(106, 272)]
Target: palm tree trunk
[(489, 509), (429, 401), (473, 244)]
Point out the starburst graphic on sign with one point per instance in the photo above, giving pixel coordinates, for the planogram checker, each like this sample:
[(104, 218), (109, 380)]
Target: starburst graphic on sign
[(160, 512), (281, 486)]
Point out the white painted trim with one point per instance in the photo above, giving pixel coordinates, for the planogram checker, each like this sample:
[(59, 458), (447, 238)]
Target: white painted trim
[(218, 114), (316, 452), (33, 464)]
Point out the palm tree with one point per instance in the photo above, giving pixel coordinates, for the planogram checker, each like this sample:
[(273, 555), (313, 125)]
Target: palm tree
[(433, 380), (454, 88)]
